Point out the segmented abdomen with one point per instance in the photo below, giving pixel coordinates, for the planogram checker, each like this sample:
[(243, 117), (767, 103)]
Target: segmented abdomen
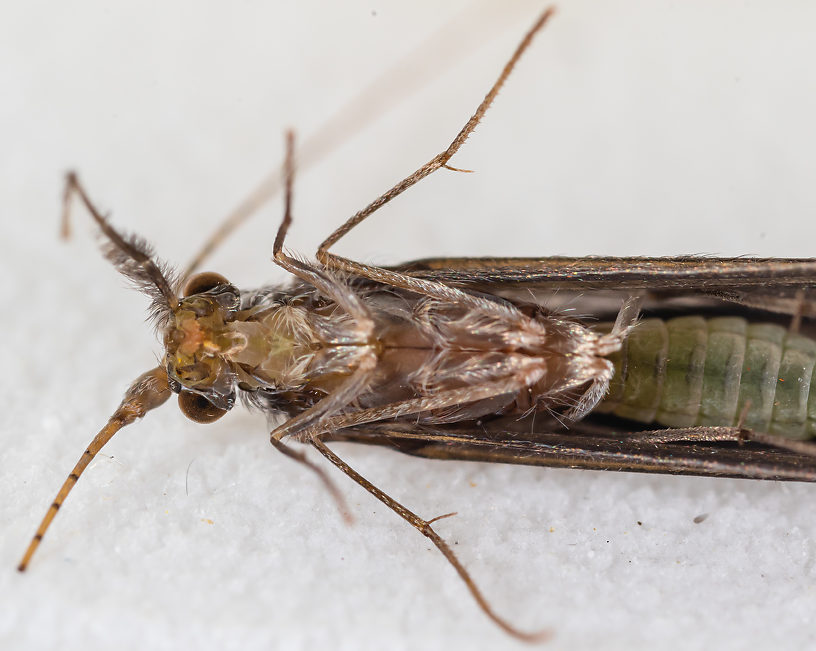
[(695, 371)]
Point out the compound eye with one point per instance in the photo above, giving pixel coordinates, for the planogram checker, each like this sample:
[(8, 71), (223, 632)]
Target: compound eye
[(198, 409), (203, 282)]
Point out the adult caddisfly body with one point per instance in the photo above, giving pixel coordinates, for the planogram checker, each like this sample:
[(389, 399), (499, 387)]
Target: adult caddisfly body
[(440, 358)]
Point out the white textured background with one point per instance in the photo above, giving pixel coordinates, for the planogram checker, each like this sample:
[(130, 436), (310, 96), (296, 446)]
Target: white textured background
[(630, 128)]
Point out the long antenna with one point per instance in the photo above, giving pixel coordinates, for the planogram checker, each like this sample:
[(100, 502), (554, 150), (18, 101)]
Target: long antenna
[(149, 391)]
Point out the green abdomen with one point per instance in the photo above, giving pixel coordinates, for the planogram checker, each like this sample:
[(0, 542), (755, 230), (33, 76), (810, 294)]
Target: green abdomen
[(693, 371)]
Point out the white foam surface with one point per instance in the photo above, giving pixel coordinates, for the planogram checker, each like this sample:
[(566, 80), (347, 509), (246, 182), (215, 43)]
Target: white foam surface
[(649, 128)]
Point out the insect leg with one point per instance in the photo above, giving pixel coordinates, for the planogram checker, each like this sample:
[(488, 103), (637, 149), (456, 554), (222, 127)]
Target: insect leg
[(347, 300), (393, 86), (433, 289), (308, 426), (430, 288), (320, 413), (440, 160), (149, 391), (440, 400), (425, 528), (298, 456)]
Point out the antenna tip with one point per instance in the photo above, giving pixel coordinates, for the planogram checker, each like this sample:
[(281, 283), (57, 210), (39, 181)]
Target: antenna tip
[(546, 15)]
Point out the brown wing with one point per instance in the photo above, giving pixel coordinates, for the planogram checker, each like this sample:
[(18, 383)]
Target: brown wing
[(696, 273), (780, 285), (597, 448)]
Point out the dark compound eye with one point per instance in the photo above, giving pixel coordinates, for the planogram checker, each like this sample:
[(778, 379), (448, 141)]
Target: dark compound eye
[(203, 282), (198, 409)]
